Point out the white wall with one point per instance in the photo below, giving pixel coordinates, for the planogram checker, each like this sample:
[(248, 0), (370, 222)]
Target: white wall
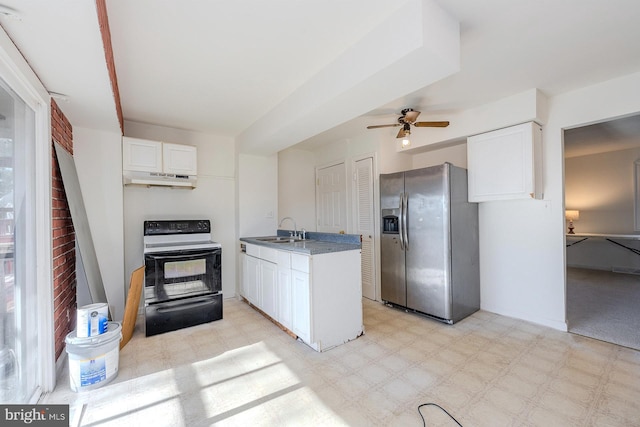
[(601, 187), (98, 159), (213, 198), (297, 176), (522, 244), (296, 188), (257, 195), (456, 155), (296, 172), (297, 168)]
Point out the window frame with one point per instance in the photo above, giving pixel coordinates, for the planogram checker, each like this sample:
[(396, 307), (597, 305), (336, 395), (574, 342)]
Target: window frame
[(636, 193), (17, 74)]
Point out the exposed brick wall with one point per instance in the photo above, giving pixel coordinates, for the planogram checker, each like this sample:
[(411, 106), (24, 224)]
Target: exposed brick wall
[(64, 238)]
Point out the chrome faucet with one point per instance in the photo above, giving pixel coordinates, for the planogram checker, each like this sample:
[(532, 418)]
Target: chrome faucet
[(295, 227)]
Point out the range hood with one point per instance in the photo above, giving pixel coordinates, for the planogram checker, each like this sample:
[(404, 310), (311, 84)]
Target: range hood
[(158, 179)]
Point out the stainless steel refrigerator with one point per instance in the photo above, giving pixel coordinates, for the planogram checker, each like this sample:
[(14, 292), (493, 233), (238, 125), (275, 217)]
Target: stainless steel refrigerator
[(429, 242)]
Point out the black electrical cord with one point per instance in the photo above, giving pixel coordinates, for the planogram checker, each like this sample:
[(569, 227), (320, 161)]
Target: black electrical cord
[(437, 406)]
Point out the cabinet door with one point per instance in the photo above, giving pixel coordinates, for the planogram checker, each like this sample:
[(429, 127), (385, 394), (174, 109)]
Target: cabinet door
[(505, 164), (284, 297), (301, 305), (251, 279), (284, 288), (269, 289), (179, 159), (243, 273), (141, 155)]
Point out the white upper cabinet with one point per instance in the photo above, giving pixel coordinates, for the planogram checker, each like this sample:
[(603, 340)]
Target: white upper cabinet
[(155, 163), (505, 164), (179, 159), (141, 155)]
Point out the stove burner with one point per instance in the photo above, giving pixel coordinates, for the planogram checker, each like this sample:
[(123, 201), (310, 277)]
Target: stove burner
[(161, 236)]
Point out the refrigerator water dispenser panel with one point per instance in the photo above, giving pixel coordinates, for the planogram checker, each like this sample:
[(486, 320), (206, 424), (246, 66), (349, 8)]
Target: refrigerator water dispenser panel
[(389, 221)]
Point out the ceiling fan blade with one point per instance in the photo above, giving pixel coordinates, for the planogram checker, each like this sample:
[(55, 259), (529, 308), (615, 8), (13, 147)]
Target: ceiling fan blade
[(411, 116), (383, 126), (431, 124), (402, 133)]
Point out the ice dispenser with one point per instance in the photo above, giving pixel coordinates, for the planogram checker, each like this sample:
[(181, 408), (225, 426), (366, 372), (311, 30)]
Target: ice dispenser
[(390, 221)]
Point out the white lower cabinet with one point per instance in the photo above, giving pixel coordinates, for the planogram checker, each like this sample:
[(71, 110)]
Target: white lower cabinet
[(318, 298), (284, 289), (260, 280), (269, 287), (251, 278), (243, 269), (301, 298)]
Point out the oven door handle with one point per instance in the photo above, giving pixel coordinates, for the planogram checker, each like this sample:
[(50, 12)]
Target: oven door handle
[(187, 304), (179, 255)]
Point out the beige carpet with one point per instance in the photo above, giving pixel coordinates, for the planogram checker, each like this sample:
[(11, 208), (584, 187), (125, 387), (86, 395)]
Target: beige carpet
[(604, 305)]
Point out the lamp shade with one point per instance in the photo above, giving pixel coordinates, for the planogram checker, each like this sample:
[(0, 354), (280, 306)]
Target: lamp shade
[(572, 215)]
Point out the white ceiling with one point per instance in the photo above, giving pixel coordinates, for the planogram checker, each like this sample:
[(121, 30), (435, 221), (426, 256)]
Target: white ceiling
[(235, 68), (613, 135)]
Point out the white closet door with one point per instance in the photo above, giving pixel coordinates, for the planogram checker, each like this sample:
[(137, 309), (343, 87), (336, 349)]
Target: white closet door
[(331, 199), (364, 221)]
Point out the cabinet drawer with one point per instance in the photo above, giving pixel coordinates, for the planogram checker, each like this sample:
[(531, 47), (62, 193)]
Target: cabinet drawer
[(253, 250), (284, 259), (269, 254), (300, 262)]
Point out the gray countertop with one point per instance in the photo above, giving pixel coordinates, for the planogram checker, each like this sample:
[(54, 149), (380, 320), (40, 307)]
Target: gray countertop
[(316, 243)]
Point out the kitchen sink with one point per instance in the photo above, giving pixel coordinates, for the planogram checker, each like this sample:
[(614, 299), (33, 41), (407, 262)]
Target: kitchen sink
[(279, 239), (276, 239)]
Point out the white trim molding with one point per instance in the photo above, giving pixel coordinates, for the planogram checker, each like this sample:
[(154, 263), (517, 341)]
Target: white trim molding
[(636, 189), (17, 73)]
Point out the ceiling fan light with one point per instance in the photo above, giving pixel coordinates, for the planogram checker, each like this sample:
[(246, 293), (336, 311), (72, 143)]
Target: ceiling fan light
[(405, 139)]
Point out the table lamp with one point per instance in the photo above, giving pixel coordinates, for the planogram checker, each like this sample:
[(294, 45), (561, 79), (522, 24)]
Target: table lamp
[(571, 215)]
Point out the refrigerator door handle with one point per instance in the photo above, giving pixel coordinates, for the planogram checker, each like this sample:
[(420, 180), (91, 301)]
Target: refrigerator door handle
[(405, 229), (401, 222)]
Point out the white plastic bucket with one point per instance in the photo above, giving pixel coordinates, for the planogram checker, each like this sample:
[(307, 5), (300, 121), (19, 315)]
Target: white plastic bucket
[(93, 361), (92, 319)]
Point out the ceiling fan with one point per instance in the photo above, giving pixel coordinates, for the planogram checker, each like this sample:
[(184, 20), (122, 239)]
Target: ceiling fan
[(408, 118)]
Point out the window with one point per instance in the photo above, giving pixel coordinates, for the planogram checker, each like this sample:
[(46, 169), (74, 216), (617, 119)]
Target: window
[(18, 331), (27, 365)]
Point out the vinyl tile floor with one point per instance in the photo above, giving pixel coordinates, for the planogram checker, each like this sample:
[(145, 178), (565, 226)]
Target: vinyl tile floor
[(486, 370)]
